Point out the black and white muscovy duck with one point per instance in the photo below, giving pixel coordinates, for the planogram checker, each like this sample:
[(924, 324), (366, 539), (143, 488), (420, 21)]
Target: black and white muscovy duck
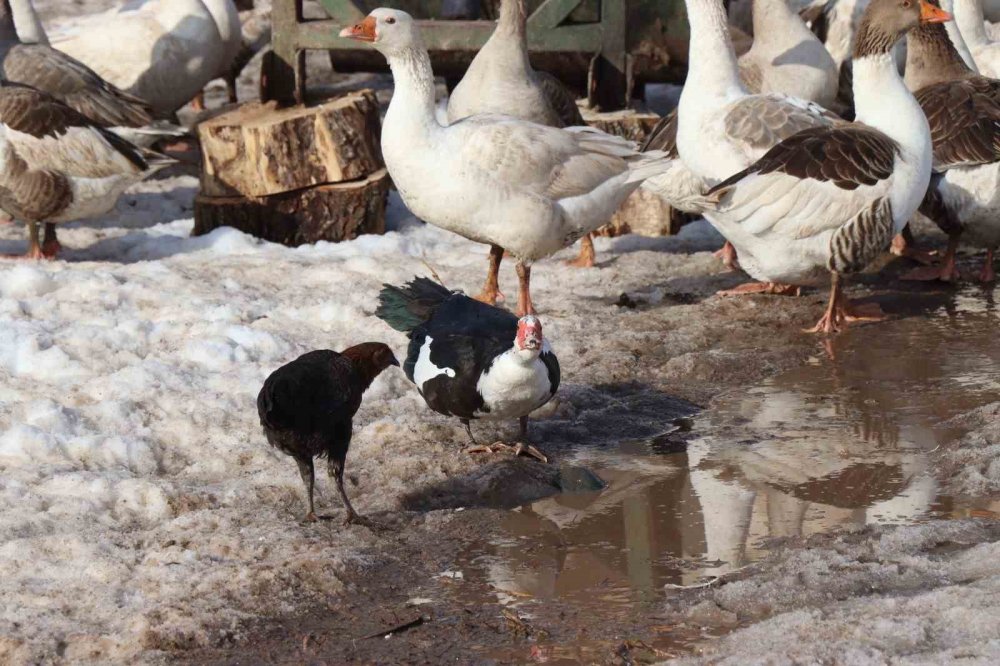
[(307, 408), (472, 360)]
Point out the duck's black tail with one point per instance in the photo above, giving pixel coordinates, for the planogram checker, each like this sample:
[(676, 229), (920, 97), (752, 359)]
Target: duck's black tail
[(404, 308)]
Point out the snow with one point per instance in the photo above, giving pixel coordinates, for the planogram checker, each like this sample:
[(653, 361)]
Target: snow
[(919, 594), (141, 509), (137, 484)]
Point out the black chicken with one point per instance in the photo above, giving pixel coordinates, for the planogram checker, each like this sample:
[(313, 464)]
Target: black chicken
[(306, 409)]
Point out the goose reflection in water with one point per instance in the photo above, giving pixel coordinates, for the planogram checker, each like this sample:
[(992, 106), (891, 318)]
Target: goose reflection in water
[(842, 441)]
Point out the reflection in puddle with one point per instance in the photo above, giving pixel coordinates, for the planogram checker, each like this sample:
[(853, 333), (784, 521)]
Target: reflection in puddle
[(843, 441)]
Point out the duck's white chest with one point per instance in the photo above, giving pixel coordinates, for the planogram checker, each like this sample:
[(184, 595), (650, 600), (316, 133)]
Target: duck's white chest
[(512, 388)]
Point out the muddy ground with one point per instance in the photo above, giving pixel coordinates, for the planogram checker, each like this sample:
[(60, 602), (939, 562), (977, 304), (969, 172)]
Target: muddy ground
[(682, 343)]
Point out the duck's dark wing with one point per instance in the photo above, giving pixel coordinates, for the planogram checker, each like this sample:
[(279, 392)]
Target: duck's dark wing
[(464, 316), (552, 365), (964, 118), (311, 394), (459, 361), (75, 85)]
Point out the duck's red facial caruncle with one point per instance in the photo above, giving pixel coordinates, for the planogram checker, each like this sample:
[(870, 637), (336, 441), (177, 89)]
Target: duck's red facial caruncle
[(362, 32), (529, 333)]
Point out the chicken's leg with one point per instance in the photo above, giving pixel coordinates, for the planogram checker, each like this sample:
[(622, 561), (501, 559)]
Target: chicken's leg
[(308, 474), (50, 244), (336, 469), (34, 247), (468, 429)]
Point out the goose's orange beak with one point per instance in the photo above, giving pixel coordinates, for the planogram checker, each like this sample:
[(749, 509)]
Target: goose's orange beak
[(363, 31), (931, 14)]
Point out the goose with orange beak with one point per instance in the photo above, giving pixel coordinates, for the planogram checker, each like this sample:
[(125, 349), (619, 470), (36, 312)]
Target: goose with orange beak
[(830, 200), (527, 188)]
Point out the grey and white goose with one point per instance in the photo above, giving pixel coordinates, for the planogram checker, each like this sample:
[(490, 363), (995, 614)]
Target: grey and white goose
[(65, 78), (500, 79), (469, 359), (60, 166), (963, 110), (831, 199), (722, 127)]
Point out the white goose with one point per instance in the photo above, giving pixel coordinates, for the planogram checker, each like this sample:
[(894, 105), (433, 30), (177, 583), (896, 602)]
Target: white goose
[(162, 51), (786, 57), (831, 199), (721, 127), (528, 188), (963, 110), (59, 166), (500, 79)]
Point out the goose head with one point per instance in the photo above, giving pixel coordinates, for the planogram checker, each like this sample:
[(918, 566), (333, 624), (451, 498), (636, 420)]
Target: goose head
[(886, 21), (388, 30)]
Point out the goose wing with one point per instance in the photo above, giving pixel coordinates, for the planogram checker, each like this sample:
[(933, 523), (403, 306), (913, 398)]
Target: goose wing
[(74, 84), (818, 180), (545, 161), (964, 118), (754, 123), (50, 136)]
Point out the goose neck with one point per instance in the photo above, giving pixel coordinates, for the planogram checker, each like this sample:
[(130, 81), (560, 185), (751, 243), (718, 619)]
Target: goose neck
[(513, 18), (932, 58), (969, 18), (413, 85), (882, 101), (29, 27), (711, 59), (776, 25)]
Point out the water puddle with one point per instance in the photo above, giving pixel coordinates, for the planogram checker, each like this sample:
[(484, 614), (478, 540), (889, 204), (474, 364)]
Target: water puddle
[(845, 440)]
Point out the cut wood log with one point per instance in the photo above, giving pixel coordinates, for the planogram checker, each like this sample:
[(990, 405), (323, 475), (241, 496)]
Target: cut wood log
[(259, 150), (629, 123), (333, 212), (643, 213)]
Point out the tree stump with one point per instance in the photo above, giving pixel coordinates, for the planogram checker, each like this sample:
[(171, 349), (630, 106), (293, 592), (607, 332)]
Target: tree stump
[(332, 212), (642, 213), (294, 175), (628, 124)]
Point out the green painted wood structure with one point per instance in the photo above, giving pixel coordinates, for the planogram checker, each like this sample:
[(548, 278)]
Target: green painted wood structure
[(587, 43)]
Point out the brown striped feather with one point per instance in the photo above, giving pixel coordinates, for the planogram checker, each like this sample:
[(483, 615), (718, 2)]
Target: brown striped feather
[(858, 243), (561, 99), (848, 156), (964, 118)]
